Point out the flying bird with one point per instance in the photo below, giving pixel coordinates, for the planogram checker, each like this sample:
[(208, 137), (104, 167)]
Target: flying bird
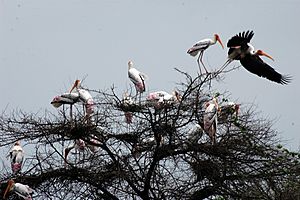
[(241, 49), (210, 119), (137, 78), (16, 157), (23, 191), (202, 45)]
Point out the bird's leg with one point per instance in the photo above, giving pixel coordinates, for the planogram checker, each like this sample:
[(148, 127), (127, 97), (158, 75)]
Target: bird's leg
[(71, 114), (201, 56), (198, 61), (225, 65), (136, 94), (84, 110), (140, 99), (66, 152), (209, 85)]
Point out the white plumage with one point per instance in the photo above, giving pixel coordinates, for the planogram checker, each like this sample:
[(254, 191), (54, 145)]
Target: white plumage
[(23, 191), (137, 78), (210, 119), (16, 157), (159, 98), (66, 98), (202, 45)]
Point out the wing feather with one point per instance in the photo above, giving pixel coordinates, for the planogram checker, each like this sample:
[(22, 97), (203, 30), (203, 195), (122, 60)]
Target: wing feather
[(255, 65), (240, 39)]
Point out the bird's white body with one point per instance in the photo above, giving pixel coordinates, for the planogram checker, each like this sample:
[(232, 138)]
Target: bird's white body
[(127, 102), (66, 98), (201, 46), (160, 98), (195, 133), (210, 119), (85, 97), (137, 78), (16, 157), (23, 191)]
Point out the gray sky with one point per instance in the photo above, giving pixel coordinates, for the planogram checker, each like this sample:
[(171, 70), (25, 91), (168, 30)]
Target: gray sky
[(46, 44)]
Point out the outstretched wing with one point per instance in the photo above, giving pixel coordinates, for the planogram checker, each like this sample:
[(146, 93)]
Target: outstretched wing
[(240, 39), (255, 65)]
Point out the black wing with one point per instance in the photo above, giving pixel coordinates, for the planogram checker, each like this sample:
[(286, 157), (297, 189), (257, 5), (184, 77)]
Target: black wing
[(255, 65), (143, 81), (240, 39)]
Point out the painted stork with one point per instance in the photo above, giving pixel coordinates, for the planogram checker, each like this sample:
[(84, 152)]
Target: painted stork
[(137, 78), (210, 119), (240, 49), (85, 97), (127, 103), (66, 99), (16, 157), (23, 191), (201, 46), (160, 98)]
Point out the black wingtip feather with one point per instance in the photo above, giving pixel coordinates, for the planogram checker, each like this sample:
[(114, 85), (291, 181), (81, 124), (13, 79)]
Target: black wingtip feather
[(285, 79), (240, 38)]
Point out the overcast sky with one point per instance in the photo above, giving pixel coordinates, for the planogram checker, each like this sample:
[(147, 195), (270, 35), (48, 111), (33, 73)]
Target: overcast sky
[(46, 44)]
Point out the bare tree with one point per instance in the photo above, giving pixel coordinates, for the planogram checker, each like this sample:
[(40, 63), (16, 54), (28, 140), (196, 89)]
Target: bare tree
[(162, 153)]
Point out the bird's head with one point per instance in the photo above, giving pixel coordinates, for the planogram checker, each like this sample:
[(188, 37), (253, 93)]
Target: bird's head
[(10, 186), (262, 53), (130, 64), (237, 109), (17, 143), (219, 40), (56, 101), (177, 95), (76, 85)]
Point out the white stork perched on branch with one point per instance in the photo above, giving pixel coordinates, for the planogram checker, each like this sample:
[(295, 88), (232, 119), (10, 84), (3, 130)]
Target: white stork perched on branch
[(201, 46), (138, 78), (23, 191), (161, 98), (16, 155), (210, 119)]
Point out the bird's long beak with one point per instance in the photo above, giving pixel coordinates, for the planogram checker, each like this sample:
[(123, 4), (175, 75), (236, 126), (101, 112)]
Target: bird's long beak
[(75, 85), (8, 188), (262, 53), (67, 150), (237, 109), (219, 40)]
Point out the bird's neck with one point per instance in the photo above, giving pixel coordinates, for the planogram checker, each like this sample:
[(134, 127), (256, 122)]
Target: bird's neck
[(214, 40)]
